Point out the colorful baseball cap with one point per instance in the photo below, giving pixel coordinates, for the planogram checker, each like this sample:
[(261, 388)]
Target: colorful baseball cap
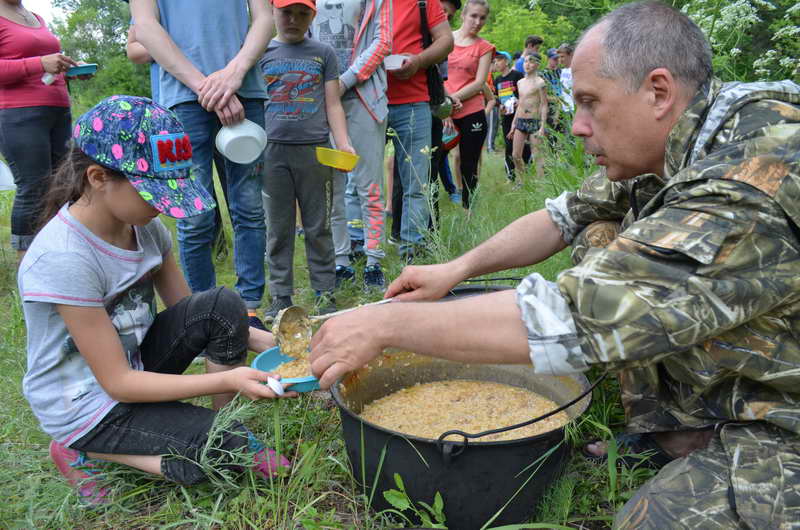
[(147, 143), (287, 3)]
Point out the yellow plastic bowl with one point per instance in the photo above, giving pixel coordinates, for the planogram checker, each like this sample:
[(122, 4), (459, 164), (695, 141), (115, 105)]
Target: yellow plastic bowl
[(337, 159)]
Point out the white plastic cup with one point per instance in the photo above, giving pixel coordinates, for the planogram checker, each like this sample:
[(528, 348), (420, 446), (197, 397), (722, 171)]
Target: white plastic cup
[(48, 78), (241, 143), (393, 62)]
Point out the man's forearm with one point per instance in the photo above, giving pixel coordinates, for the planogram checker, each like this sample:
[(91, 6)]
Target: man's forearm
[(258, 36), (526, 241), (490, 329)]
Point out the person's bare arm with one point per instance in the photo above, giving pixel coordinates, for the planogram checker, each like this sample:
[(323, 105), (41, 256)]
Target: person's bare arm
[(476, 85), (543, 108), (98, 342), (336, 117), (490, 99), (218, 87), (528, 240), (134, 49), (490, 331), (439, 49)]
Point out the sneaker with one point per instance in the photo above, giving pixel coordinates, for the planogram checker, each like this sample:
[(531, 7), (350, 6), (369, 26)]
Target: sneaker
[(265, 460), (392, 241), (325, 303), (299, 231), (278, 303), (356, 249), (344, 273), (373, 277), (455, 197), (80, 472), (255, 322)]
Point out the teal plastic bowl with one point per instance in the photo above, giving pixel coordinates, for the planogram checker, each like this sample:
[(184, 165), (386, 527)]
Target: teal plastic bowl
[(268, 360)]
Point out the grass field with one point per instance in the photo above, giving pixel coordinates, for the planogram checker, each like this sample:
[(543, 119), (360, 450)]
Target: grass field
[(320, 492)]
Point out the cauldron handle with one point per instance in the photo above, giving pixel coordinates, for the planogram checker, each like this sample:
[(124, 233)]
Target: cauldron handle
[(446, 448)]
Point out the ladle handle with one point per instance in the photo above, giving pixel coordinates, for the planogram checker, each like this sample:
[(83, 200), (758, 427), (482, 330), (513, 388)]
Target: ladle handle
[(320, 318)]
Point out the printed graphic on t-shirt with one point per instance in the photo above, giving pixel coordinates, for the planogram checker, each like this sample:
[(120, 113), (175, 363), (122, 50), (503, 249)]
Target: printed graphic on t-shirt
[(131, 313), (336, 24), (290, 86), (505, 90)]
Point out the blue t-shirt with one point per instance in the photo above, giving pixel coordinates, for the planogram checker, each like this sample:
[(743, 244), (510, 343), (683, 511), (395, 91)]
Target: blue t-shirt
[(296, 75), (209, 33)]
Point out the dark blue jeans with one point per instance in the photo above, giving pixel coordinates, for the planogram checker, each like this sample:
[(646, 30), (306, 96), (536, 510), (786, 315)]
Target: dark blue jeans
[(214, 321), (196, 234), (33, 140)]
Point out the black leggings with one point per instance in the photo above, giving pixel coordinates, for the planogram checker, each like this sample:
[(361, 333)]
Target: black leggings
[(473, 134)]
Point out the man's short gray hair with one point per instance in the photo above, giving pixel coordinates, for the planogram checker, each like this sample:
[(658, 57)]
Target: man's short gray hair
[(642, 36)]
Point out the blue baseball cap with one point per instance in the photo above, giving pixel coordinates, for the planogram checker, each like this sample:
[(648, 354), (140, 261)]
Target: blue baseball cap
[(552, 53), (504, 54), (148, 144)]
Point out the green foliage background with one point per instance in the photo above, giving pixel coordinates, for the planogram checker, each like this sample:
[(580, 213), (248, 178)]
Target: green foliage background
[(752, 39)]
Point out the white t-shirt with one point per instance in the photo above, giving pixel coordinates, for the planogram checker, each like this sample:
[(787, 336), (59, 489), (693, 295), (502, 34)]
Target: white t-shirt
[(67, 264)]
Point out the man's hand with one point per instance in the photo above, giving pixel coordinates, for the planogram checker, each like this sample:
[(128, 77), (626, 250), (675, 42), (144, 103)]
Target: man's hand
[(343, 344), (252, 383), (510, 134), (232, 113), (57, 63), (423, 283), (218, 88), (410, 67)]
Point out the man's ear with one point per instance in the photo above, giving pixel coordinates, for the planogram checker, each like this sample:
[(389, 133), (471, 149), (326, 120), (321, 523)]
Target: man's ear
[(664, 91)]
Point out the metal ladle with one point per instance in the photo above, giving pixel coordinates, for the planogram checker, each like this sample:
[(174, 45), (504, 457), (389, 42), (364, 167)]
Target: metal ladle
[(292, 327)]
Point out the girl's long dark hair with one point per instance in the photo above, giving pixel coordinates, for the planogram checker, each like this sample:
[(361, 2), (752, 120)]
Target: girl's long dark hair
[(68, 183)]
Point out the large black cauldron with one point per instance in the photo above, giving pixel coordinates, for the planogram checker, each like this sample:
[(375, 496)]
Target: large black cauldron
[(476, 479)]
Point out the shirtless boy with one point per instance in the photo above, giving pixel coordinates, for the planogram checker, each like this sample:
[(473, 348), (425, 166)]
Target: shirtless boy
[(528, 125)]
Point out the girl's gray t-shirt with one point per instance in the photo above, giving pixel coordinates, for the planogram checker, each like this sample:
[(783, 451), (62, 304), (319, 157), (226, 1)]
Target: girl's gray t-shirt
[(67, 264)]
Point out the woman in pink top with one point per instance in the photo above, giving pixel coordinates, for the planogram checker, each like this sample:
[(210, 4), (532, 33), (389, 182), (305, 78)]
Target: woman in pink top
[(34, 111), (468, 65)]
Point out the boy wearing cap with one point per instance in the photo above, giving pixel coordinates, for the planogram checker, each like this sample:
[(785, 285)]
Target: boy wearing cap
[(302, 111), (530, 117), (555, 94), (505, 89)]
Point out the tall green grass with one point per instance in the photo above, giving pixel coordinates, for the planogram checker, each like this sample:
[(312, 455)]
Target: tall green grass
[(320, 491)]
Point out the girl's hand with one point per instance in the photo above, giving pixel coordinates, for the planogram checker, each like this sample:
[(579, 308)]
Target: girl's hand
[(57, 63), (448, 124), (252, 383), (456, 103)]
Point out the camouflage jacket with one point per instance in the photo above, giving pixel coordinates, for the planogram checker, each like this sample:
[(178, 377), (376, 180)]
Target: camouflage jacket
[(701, 289)]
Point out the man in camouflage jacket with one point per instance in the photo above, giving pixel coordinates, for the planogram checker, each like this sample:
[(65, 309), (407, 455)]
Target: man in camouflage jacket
[(687, 281)]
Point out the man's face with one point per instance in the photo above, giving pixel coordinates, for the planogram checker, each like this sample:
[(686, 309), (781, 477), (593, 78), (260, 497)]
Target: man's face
[(293, 21), (618, 127)]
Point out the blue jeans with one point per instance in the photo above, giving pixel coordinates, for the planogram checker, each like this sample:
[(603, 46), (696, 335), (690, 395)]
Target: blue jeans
[(411, 123), (33, 140), (196, 234)]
